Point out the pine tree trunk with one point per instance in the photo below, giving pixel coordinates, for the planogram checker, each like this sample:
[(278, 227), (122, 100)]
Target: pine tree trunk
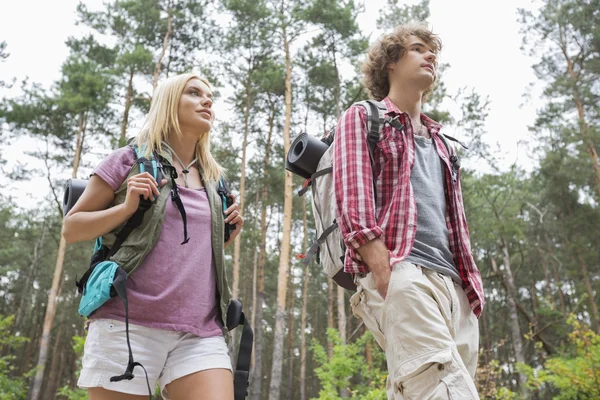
[(166, 39), (330, 312), (254, 290), (583, 125), (561, 294), (237, 242), (256, 382), (128, 102), (290, 338), (56, 281), (593, 310), (547, 279), (284, 256), (369, 353), (341, 306), (338, 86), (54, 377), (24, 301), (513, 312), (304, 307)]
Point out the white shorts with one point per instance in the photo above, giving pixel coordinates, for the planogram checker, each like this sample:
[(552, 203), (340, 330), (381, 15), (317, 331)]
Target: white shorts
[(166, 355)]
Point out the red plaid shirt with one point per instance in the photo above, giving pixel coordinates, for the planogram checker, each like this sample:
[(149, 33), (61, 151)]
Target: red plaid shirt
[(393, 216)]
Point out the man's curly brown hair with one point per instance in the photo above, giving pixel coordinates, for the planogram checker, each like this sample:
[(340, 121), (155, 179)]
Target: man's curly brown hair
[(389, 49)]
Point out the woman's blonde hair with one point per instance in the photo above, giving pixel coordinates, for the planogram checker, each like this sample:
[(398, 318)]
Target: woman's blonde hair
[(162, 121), (389, 49)]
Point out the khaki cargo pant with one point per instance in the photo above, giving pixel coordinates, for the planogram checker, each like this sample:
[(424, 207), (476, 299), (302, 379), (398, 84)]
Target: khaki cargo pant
[(428, 332)]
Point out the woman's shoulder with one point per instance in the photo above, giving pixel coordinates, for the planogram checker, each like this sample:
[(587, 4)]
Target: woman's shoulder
[(116, 166)]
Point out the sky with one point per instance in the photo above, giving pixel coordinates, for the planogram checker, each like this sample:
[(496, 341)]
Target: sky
[(481, 42)]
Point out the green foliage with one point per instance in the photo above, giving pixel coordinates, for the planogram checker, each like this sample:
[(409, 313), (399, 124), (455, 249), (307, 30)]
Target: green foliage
[(575, 373), (67, 392), (488, 382), (395, 14), (3, 56), (11, 387), (348, 370)]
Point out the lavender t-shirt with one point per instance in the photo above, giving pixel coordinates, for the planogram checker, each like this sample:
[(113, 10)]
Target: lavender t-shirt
[(175, 286)]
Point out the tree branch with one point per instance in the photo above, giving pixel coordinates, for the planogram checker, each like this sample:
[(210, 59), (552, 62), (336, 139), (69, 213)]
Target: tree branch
[(46, 157)]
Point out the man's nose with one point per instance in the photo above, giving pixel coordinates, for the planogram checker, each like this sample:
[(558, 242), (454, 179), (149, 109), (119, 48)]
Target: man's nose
[(431, 57)]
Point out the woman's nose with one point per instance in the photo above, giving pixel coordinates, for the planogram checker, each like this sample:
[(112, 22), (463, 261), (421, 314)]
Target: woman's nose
[(207, 102)]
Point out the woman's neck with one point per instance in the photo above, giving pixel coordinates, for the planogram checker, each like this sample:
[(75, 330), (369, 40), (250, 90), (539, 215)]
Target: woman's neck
[(184, 148)]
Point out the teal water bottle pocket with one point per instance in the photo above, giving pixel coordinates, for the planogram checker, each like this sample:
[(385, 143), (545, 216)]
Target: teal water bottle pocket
[(97, 288)]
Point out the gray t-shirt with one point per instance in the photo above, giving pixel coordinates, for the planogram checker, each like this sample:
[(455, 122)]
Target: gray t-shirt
[(432, 247)]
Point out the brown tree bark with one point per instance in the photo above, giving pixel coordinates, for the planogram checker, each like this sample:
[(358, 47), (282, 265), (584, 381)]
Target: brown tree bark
[(580, 106), (128, 103), (330, 312), (237, 242), (561, 294), (25, 300), (166, 39), (341, 307), (593, 310), (256, 382), (304, 306), (513, 315), (290, 340), (54, 377), (56, 280), (284, 256)]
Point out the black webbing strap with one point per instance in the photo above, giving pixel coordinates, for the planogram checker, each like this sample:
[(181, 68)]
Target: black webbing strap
[(119, 285), (454, 140), (177, 199), (133, 222), (317, 243), (373, 138), (303, 191), (454, 160), (138, 217), (242, 370), (322, 172), (235, 318)]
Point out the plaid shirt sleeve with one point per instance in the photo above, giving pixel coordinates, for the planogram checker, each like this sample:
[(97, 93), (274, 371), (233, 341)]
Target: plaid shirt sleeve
[(353, 182)]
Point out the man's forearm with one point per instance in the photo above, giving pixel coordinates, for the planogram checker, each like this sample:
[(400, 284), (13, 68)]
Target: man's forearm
[(375, 255)]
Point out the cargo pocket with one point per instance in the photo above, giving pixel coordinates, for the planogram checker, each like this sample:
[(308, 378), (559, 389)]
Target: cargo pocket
[(362, 311), (457, 382)]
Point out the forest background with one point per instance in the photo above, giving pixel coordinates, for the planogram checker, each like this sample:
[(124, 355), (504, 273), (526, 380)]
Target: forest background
[(528, 110)]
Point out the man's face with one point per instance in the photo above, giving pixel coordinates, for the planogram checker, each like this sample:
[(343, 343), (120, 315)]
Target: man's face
[(416, 67)]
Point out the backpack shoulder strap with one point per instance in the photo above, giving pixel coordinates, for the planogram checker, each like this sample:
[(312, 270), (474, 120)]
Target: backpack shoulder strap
[(151, 164), (375, 122), (454, 160), (227, 201)]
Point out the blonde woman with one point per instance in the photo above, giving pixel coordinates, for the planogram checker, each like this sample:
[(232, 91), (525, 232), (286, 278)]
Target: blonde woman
[(177, 294)]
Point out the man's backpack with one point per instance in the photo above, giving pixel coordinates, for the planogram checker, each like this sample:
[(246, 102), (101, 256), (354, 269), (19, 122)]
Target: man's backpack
[(329, 246)]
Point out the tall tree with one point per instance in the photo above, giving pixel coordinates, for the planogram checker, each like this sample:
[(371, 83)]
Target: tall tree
[(562, 32), (271, 88), (82, 95), (247, 45), (290, 25)]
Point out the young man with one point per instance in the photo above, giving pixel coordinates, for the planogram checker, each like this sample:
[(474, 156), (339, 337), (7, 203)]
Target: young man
[(419, 291)]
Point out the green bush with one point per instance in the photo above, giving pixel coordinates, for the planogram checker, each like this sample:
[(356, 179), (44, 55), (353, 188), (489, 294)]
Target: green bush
[(348, 370), (576, 373), (11, 387)]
